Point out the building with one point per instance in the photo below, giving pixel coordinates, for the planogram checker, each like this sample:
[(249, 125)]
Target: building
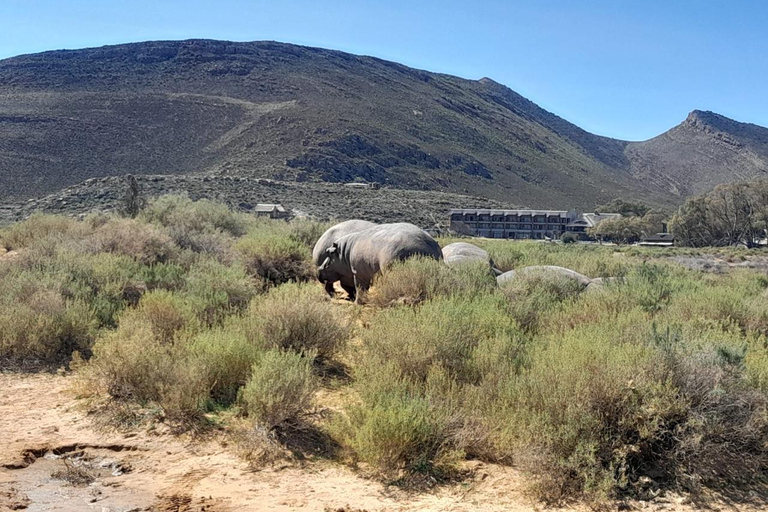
[(524, 224), (273, 211)]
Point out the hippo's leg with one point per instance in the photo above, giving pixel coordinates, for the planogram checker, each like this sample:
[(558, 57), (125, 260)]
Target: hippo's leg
[(361, 286), (350, 290), (329, 288)]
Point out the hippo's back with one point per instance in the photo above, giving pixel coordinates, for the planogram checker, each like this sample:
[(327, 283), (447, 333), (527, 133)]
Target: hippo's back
[(334, 233), (460, 252), (547, 271), (402, 240)]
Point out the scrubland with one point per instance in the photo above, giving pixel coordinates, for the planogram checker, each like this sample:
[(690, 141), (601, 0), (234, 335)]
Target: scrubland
[(197, 316)]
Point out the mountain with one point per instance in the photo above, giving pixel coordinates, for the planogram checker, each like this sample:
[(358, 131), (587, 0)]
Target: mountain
[(705, 150), (292, 113)]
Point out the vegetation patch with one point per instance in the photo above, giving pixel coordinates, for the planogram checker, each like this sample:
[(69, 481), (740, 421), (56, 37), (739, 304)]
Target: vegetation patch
[(656, 379)]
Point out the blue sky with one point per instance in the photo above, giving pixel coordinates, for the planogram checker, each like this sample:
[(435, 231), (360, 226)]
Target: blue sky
[(626, 69)]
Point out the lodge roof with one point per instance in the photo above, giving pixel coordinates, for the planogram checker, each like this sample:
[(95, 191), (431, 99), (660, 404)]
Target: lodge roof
[(269, 208)]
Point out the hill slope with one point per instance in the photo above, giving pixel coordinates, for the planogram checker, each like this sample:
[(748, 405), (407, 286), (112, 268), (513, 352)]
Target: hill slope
[(282, 111), (703, 151)]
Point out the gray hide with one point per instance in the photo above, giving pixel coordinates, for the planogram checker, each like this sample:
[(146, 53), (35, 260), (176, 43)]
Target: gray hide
[(324, 242), (462, 252), (546, 270), (365, 253)]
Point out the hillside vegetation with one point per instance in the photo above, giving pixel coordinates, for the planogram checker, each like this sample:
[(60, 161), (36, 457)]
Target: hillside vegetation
[(286, 112), (195, 315)]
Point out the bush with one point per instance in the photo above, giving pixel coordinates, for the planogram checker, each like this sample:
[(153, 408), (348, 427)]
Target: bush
[(297, 317), (38, 227), (652, 286), (453, 334), (397, 431), (276, 259), (38, 324), (280, 390), (308, 232), (722, 441), (166, 314), (143, 242), (569, 238), (226, 356), (216, 290), (184, 217), (419, 279), (534, 296), (133, 363), (47, 329), (588, 413), (414, 373)]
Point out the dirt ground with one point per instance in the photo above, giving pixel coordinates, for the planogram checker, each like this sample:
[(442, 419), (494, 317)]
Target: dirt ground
[(52, 458)]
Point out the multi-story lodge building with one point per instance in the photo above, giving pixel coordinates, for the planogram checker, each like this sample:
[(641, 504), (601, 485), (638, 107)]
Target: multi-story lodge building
[(524, 224)]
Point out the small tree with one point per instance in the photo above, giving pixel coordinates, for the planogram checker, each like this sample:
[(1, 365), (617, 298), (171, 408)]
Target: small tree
[(623, 230), (133, 201)]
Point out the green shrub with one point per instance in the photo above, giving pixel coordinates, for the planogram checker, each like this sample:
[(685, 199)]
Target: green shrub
[(217, 290), (46, 329), (449, 333), (164, 276), (414, 371), (280, 390), (722, 441), (38, 227), (297, 317), (569, 238), (39, 324), (533, 297), (226, 356), (276, 259), (143, 242), (396, 430), (184, 217), (166, 314), (588, 412), (132, 362), (308, 232), (418, 279)]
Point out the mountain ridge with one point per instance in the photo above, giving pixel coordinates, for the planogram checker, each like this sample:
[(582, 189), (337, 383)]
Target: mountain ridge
[(290, 112)]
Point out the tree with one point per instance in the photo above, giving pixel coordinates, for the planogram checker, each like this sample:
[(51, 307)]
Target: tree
[(623, 230), (735, 213), (133, 201), (625, 208)]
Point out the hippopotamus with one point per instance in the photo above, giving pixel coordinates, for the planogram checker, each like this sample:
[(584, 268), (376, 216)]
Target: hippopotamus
[(544, 270), (364, 254), (329, 237), (462, 252)]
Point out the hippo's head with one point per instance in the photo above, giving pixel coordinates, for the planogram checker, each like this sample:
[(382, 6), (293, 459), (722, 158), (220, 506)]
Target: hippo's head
[(326, 272)]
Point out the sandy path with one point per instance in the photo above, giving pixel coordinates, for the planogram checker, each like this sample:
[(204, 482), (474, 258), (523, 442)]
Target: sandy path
[(40, 423)]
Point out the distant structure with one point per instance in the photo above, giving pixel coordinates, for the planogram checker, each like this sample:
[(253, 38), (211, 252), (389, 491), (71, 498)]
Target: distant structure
[(524, 224), (273, 211), (658, 240)]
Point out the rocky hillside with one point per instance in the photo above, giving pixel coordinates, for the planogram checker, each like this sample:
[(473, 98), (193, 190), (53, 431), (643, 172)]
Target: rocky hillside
[(703, 151), (324, 201), (297, 114)]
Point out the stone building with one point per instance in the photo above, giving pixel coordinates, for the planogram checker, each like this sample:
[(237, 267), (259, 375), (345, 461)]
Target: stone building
[(273, 211), (524, 224)]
